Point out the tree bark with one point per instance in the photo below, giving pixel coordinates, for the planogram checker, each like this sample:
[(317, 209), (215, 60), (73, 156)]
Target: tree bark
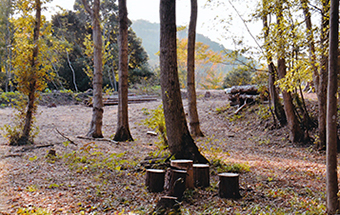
[(296, 133), (123, 130), (31, 105), (97, 110), (331, 149), (154, 180), (194, 123), (310, 38), (322, 87), (201, 175), (181, 144), (274, 97), (229, 185)]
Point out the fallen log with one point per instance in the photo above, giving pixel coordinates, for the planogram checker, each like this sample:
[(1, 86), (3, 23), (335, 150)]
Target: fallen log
[(246, 89)]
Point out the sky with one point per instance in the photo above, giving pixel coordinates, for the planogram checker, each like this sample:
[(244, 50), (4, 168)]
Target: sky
[(208, 22)]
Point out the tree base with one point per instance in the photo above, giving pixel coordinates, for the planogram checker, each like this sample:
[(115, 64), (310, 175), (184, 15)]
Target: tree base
[(23, 140), (123, 134)]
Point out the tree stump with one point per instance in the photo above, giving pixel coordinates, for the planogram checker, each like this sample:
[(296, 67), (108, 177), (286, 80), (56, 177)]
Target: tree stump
[(201, 175), (175, 183), (155, 180), (229, 185), (166, 202), (186, 165)]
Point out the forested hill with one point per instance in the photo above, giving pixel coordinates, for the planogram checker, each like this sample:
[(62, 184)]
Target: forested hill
[(149, 33)]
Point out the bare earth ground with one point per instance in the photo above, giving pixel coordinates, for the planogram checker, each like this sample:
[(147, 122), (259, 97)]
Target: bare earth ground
[(105, 178)]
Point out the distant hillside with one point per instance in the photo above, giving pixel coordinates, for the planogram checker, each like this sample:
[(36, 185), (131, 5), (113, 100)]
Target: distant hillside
[(149, 33)]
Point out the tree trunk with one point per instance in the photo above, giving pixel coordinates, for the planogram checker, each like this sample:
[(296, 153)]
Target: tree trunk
[(322, 88), (274, 97), (31, 106), (296, 133), (331, 149), (194, 123), (123, 130), (181, 144), (97, 114), (310, 38)]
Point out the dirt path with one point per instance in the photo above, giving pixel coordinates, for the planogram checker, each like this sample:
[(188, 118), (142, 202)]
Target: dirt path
[(278, 171)]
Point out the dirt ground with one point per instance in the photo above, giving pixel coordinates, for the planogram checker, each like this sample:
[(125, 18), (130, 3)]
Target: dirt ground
[(101, 177)]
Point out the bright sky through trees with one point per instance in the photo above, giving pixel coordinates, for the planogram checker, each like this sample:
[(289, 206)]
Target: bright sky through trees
[(207, 24)]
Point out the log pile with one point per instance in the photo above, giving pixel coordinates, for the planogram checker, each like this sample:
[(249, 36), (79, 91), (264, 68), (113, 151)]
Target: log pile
[(240, 95), (113, 100)]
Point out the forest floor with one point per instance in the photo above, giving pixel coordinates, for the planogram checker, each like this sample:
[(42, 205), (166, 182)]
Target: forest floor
[(101, 177)]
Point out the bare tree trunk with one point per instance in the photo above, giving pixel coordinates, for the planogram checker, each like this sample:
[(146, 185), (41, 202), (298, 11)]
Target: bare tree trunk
[(274, 97), (73, 72), (181, 144), (296, 134), (322, 88), (310, 38), (194, 123), (97, 114), (31, 106), (123, 130), (331, 149)]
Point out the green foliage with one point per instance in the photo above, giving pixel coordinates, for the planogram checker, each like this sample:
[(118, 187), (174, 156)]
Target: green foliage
[(240, 75), (89, 158), (263, 112), (156, 121), (221, 166), (33, 211), (220, 110), (12, 132)]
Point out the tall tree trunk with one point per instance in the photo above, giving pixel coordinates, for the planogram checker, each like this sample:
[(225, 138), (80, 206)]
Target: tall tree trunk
[(310, 38), (97, 111), (322, 88), (194, 123), (274, 97), (296, 133), (181, 144), (331, 149), (123, 130), (31, 106)]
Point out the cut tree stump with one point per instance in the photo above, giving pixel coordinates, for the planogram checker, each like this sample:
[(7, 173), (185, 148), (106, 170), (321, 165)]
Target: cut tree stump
[(229, 185), (186, 165), (175, 183), (155, 180), (201, 175), (166, 202)]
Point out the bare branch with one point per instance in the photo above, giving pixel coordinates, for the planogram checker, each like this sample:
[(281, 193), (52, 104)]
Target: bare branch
[(87, 7)]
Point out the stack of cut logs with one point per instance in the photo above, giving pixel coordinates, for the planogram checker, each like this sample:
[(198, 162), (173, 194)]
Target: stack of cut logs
[(113, 100), (240, 95), (183, 174)]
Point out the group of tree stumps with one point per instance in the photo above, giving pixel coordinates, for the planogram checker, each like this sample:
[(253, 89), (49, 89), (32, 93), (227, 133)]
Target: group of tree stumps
[(182, 175)]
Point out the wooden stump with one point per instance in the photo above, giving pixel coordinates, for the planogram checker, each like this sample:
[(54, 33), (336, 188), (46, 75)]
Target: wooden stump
[(155, 180), (201, 175), (176, 183), (186, 165), (229, 185), (166, 202)]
